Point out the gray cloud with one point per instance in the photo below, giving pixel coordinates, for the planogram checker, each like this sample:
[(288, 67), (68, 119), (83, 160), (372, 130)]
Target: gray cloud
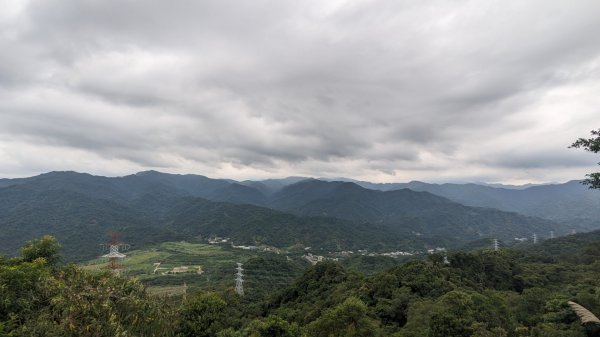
[(386, 90)]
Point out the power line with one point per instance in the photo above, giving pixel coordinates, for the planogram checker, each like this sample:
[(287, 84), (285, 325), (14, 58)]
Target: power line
[(239, 280), (114, 256)]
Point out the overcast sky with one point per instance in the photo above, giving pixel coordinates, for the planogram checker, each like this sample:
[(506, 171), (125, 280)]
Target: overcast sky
[(387, 91)]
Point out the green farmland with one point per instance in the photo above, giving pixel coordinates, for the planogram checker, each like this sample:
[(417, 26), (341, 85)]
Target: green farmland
[(216, 262)]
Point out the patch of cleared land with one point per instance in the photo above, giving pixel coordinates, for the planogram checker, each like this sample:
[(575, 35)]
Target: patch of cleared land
[(217, 262)]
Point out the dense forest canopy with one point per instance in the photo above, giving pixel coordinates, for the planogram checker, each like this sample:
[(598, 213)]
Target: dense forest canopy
[(482, 293)]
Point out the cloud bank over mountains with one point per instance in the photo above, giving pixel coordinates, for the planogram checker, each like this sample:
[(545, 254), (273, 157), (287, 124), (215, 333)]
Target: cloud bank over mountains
[(380, 91)]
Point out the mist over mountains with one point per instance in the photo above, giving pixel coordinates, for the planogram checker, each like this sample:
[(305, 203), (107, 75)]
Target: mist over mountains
[(151, 207)]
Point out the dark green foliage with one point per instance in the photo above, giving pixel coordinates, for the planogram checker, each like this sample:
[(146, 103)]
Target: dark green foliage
[(42, 300), (406, 211), (347, 319), (203, 316), (20, 283), (151, 207), (370, 265), (46, 248), (247, 224), (273, 326), (317, 289), (565, 248), (591, 145), (81, 303), (81, 210), (80, 222), (424, 279), (267, 274), (569, 203), (479, 294), (485, 269)]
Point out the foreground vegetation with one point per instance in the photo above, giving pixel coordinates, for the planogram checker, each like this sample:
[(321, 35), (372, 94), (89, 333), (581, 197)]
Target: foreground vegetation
[(485, 293)]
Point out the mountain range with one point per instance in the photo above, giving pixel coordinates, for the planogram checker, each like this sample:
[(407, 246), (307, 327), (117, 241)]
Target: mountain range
[(151, 207), (569, 203)]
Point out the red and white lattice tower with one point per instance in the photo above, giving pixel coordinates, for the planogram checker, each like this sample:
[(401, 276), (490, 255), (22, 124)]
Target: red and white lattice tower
[(114, 256)]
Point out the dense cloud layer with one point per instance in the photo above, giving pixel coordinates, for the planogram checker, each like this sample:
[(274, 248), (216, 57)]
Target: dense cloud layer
[(376, 90)]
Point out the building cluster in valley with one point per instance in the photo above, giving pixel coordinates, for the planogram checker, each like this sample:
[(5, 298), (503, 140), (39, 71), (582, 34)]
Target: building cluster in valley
[(313, 259), (214, 240), (333, 256)]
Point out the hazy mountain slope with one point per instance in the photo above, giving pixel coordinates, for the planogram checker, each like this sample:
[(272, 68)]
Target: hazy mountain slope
[(190, 184), (420, 212), (152, 204), (247, 224), (81, 223), (294, 196), (203, 187), (121, 189), (9, 182), (270, 186), (569, 244), (239, 194), (570, 203), (129, 188), (158, 213)]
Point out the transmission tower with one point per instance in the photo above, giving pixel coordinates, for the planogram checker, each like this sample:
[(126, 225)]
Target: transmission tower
[(239, 280), (114, 256), (496, 246), (534, 238)]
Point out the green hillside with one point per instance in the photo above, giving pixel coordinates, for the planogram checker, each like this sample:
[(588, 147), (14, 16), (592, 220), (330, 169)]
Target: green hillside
[(247, 224), (83, 222), (410, 211), (570, 203)]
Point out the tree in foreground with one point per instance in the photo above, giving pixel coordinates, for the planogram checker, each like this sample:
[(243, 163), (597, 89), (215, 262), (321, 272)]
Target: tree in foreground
[(273, 326), (592, 145), (46, 247), (348, 319), (204, 315), (39, 297)]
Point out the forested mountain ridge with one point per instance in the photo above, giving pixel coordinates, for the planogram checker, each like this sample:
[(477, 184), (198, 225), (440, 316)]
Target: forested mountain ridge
[(151, 206), (419, 212), (571, 202), (248, 224), (82, 222)]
